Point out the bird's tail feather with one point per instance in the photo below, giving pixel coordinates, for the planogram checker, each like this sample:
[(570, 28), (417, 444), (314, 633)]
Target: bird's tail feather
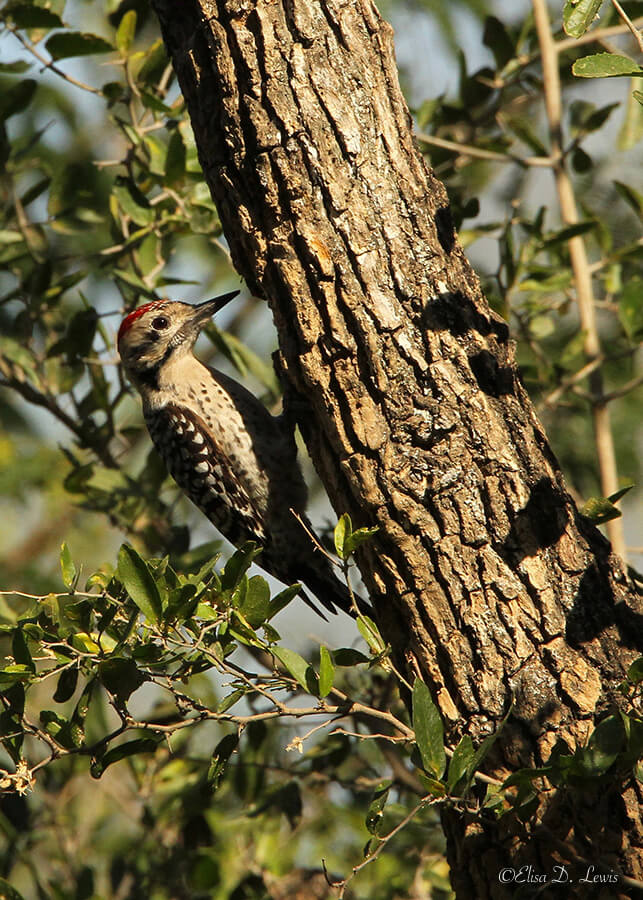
[(332, 593)]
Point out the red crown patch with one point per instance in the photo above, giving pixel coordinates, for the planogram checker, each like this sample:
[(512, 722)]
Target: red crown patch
[(129, 320)]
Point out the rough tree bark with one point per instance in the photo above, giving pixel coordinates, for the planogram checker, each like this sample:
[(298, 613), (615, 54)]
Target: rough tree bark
[(485, 579)]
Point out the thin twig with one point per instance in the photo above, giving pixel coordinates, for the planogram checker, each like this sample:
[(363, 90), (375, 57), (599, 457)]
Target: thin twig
[(49, 64), (366, 737), (554, 396), (625, 389), (481, 153), (630, 24), (384, 841)]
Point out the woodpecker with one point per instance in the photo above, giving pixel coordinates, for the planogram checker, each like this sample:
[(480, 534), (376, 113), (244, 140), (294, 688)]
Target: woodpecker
[(230, 456)]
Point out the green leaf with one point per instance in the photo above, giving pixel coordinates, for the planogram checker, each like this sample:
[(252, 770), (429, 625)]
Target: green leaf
[(587, 118), (121, 677), (84, 642), (578, 15), (631, 197), (126, 31), (297, 666), (617, 495), (497, 39), (19, 355), (229, 701), (123, 751), (522, 127), (283, 599), (370, 632), (20, 650), (238, 564), (271, 634), (635, 671), (10, 237), (559, 281), (151, 101), (55, 725), (240, 628), (326, 672), (429, 730), (13, 674), (133, 202), (460, 761), (343, 531), (16, 98), (600, 510), (15, 68), (182, 603), (631, 130), (80, 333), (567, 233), (432, 785), (603, 747), (135, 576), (64, 45), (175, 159), (630, 308), (28, 15), (581, 161), (605, 65), (67, 567), (67, 682), (348, 657), (286, 798), (219, 759), (525, 777), (358, 537), (155, 61), (77, 721), (375, 813), (256, 604)]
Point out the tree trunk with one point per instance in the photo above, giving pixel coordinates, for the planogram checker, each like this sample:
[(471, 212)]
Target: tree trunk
[(485, 578)]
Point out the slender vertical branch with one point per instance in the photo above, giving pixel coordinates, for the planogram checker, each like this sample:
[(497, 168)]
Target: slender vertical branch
[(580, 267)]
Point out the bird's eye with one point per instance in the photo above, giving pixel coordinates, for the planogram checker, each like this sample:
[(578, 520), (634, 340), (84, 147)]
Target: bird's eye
[(160, 323)]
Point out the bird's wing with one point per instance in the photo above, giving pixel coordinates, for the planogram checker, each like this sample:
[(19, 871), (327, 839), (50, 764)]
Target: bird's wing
[(201, 468)]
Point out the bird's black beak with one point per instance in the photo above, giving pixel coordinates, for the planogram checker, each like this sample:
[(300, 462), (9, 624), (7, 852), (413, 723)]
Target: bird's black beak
[(207, 309)]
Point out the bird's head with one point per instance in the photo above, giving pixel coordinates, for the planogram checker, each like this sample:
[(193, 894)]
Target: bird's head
[(152, 334)]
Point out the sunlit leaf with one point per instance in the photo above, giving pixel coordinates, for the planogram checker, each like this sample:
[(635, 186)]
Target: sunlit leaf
[(343, 531), (297, 666), (605, 65), (67, 566), (136, 578), (126, 31), (600, 510), (630, 308), (326, 672), (459, 762), (578, 15)]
